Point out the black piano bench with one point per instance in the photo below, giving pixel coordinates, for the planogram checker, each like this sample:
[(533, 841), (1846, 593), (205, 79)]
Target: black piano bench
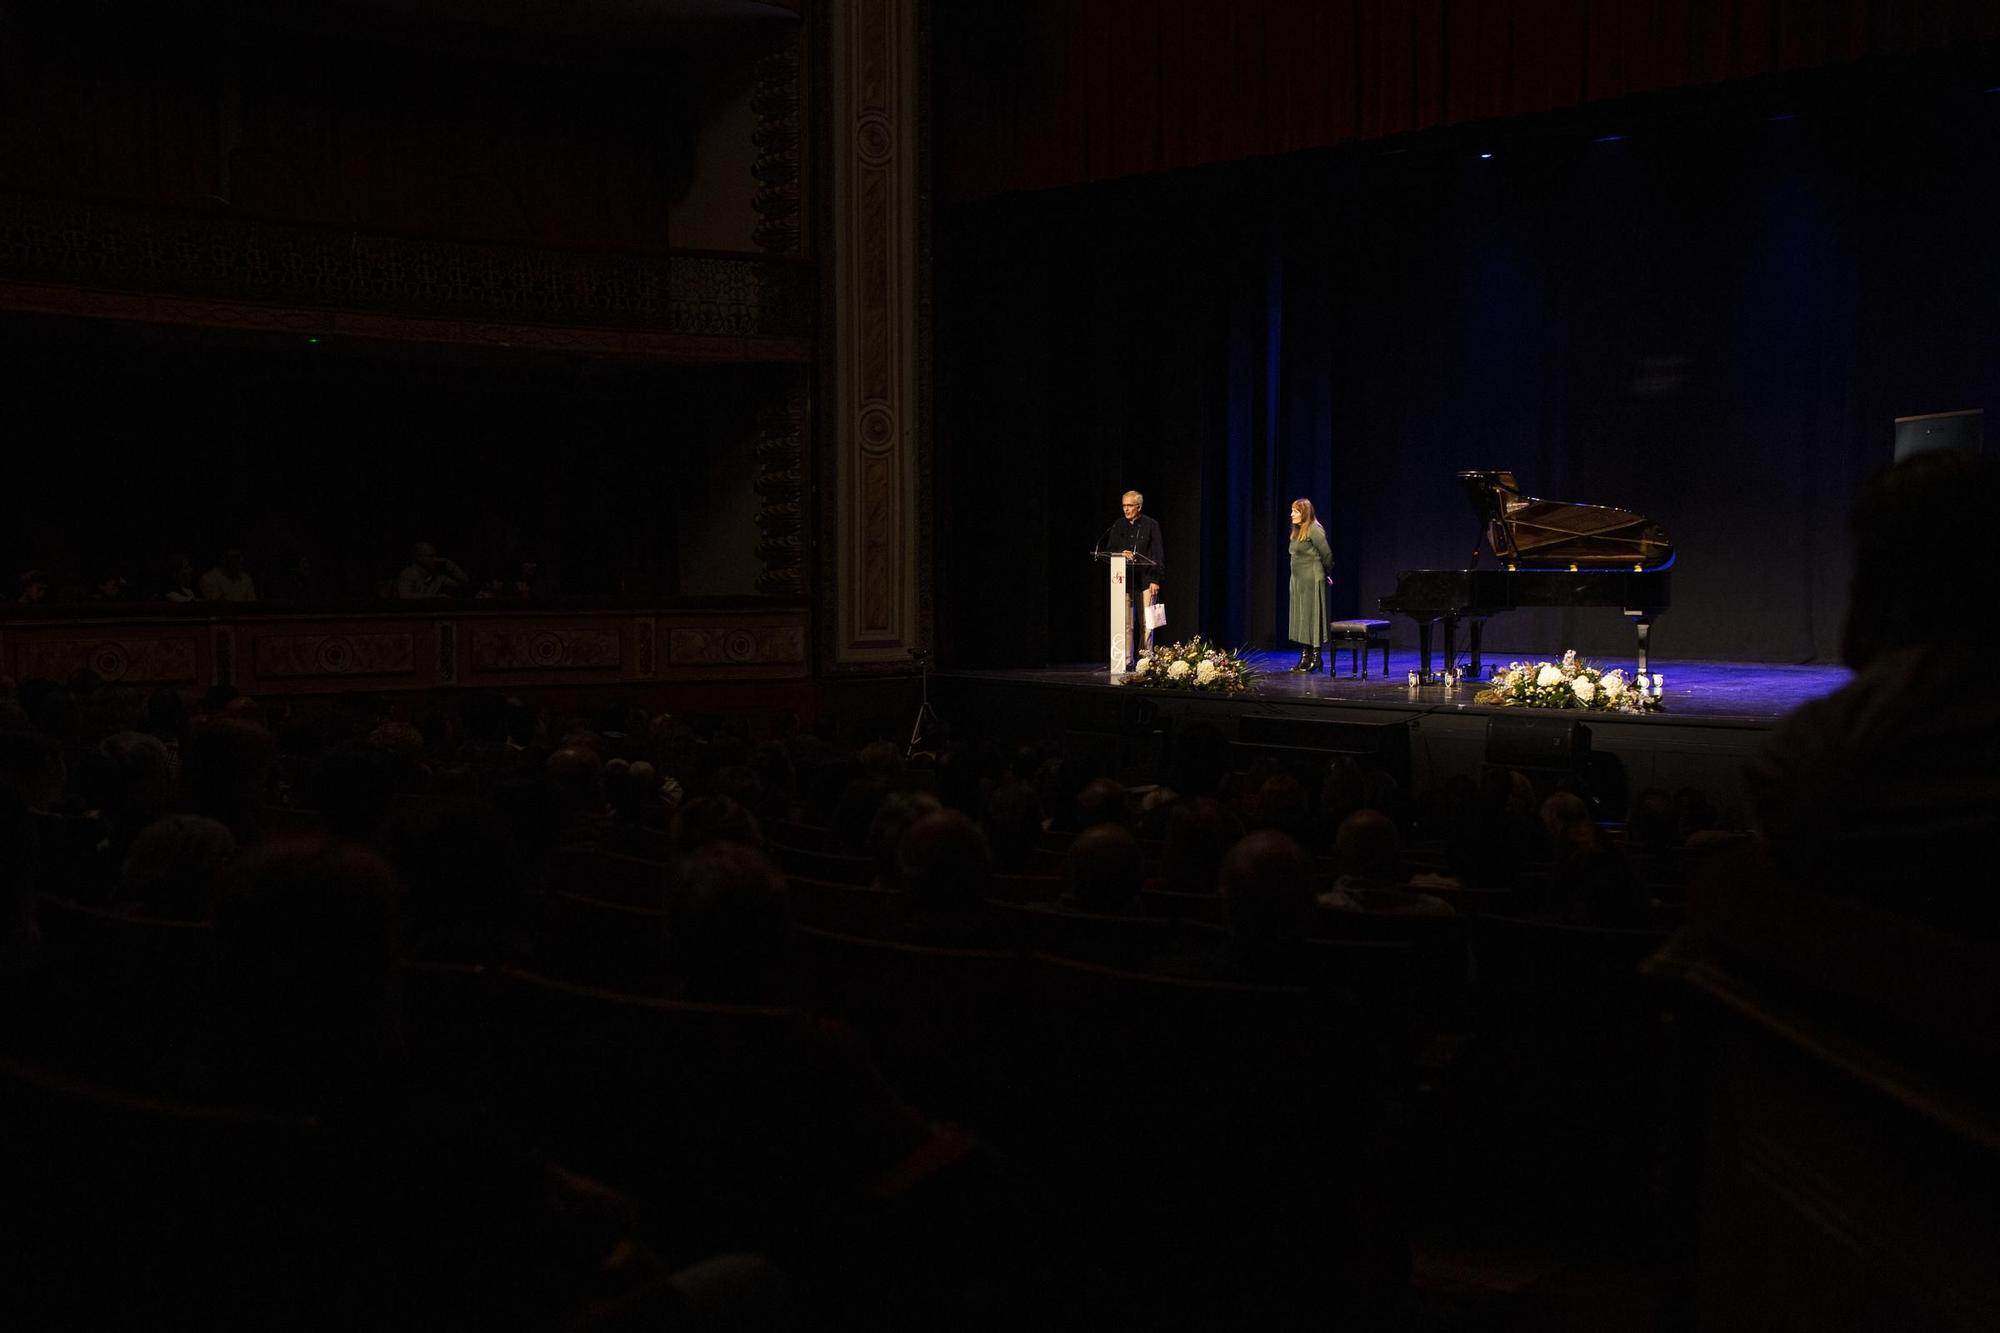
[(1359, 637)]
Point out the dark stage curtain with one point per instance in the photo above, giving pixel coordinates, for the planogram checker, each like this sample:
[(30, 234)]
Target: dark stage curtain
[(1047, 93), (1712, 320)]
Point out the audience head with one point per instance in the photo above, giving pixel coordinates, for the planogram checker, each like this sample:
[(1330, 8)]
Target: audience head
[(730, 922), (32, 769), (708, 820), (1104, 870), (303, 928), (1281, 805), (226, 768), (1102, 801), (1368, 848), (574, 776), (352, 785), (943, 865), (893, 818), (1564, 814), (172, 867), (1266, 885), (1200, 833), (1013, 825), (136, 777), (459, 865), (1927, 513), (166, 715), (1650, 825)]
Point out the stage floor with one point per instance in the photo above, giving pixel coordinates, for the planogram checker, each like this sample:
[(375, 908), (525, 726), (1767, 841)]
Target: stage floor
[(1753, 694)]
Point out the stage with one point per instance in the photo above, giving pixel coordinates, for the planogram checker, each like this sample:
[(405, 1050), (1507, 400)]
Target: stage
[(1716, 715)]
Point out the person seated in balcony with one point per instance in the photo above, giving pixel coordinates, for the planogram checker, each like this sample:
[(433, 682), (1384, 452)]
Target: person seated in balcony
[(34, 585), (111, 587), (228, 581), (531, 581), (430, 575), (180, 579)]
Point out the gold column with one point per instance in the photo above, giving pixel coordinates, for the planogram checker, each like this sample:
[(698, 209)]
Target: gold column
[(873, 91)]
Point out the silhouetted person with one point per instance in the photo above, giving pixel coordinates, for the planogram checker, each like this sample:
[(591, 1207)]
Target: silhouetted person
[(1103, 871), (944, 869), (1887, 789), (172, 868), (228, 581), (730, 915), (180, 580), (33, 588), (1200, 832), (430, 575)]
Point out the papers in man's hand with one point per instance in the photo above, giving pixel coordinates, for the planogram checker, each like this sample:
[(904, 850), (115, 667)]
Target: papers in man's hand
[(1156, 615)]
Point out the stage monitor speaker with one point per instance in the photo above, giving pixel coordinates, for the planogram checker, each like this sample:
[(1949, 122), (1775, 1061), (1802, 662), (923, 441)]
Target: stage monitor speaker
[(1309, 744), (1964, 430), (1536, 742)]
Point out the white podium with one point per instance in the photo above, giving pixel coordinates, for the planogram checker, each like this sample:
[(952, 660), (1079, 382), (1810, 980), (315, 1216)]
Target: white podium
[(1122, 628)]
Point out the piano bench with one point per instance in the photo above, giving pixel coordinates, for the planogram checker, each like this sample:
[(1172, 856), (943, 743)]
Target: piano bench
[(1359, 637)]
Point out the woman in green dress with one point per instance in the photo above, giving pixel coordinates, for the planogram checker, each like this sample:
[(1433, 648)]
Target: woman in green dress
[(1312, 565)]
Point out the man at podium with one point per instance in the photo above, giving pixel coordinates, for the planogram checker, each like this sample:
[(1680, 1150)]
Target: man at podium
[(1136, 536)]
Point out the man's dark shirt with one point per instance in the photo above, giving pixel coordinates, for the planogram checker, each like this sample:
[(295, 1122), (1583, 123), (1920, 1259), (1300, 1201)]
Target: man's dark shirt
[(1141, 536)]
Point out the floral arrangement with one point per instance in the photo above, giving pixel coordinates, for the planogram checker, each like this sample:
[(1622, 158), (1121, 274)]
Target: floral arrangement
[(1571, 683), (1192, 665)]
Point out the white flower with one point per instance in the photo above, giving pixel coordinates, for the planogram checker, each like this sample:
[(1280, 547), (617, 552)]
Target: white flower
[(1569, 657), (1177, 670), (1613, 685), (1550, 676), (1204, 673), (1583, 689)]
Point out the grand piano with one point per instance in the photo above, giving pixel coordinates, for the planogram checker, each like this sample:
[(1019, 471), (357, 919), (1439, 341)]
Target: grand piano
[(1551, 553)]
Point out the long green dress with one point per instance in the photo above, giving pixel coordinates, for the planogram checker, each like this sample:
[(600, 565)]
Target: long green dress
[(1311, 559)]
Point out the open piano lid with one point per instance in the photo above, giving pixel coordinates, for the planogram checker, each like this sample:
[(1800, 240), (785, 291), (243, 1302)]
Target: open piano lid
[(1524, 531)]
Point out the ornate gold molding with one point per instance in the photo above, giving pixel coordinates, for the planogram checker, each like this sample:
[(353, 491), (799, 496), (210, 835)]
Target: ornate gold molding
[(874, 93), (226, 263)]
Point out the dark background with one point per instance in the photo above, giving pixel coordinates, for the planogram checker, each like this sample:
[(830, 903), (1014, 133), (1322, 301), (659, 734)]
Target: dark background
[(1706, 306), (129, 444)]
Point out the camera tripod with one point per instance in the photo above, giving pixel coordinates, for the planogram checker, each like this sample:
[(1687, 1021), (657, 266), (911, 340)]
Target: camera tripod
[(927, 722)]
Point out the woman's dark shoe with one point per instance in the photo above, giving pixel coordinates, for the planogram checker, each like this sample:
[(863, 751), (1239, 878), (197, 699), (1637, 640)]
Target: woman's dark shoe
[(1316, 662), (1305, 654)]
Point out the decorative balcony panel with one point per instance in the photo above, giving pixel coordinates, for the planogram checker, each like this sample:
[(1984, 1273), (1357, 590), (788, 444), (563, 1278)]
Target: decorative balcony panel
[(226, 258), (443, 647)]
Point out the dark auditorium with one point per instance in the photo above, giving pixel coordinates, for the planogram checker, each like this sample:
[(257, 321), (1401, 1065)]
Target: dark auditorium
[(777, 666)]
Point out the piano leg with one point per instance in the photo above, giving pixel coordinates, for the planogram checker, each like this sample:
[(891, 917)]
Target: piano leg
[(1472, 632), (1450, 646), (1642, 622), (1424, 652)]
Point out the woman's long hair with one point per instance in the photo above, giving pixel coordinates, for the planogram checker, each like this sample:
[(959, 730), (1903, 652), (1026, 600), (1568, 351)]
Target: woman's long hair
[(1300, 530)]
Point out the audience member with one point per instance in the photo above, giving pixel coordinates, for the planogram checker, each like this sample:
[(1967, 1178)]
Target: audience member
[(729, 918), (430, 575), (180, 582), (1200, 832), (228, 581), (1013, 825), (171, 871), (1103, 871), (1886, 790), (945, 872)]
